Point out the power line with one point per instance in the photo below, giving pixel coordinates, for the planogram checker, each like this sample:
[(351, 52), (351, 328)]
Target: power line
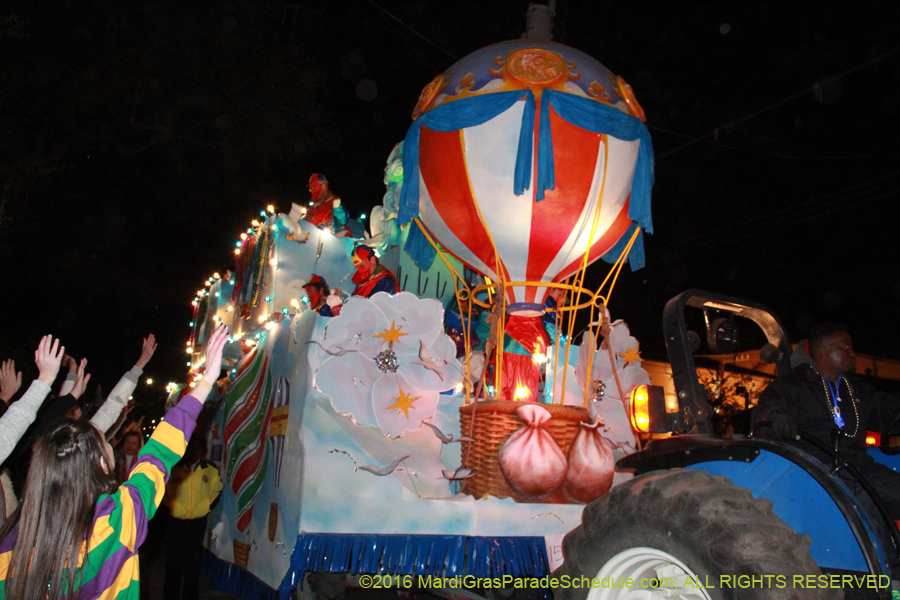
[(419, 35), (774, 105), (711, 244), (779, 154), (413, 48), (820, 202)]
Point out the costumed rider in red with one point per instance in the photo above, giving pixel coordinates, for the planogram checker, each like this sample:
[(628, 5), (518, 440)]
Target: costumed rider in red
[(326, 211), (371, 277), (525, 350), (317, 291)]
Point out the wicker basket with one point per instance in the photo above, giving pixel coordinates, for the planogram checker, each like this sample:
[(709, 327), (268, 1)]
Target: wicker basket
[(495, 421)]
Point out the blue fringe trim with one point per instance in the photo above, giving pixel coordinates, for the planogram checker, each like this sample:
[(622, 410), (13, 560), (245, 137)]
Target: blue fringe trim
[(436, 555), (234, 579)]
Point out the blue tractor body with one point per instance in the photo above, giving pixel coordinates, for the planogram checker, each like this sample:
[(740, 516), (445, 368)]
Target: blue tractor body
[(809, 496)]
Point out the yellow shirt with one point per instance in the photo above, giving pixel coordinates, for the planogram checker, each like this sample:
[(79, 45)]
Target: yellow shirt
[(190, 494)]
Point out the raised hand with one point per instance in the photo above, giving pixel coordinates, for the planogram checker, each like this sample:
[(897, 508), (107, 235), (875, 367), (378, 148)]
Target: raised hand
[(214, 349), (81, 380), (48, 357), (70, 363), (134, 425), (147, 351), (10, 381)]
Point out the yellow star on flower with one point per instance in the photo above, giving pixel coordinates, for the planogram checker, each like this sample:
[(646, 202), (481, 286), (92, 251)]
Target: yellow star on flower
[(391, 335), (631, 355), (404, 403)]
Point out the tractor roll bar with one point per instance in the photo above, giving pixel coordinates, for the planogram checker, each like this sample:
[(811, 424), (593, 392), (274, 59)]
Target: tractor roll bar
[(691, 394)]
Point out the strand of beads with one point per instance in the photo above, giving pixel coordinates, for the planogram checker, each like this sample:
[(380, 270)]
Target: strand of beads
[(833, 401)]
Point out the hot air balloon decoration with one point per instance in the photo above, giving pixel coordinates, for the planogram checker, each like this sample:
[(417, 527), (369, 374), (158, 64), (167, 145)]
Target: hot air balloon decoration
[(528, 161), (278, 424)]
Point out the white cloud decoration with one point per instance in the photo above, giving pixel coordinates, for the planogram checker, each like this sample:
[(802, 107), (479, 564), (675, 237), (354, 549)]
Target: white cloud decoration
[(630, 374), (380, 381)]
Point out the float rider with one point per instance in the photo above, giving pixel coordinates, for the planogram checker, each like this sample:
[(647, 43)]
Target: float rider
[(326, 211), (371, 277), (317, 291)]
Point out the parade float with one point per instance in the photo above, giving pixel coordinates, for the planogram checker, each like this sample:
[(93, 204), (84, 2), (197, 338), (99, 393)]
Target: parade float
[(459, 426)]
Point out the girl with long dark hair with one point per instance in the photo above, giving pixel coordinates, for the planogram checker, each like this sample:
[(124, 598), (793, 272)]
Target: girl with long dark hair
[(77, 533)]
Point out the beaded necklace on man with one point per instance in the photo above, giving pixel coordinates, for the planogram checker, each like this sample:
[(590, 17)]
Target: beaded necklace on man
[(832, 394)]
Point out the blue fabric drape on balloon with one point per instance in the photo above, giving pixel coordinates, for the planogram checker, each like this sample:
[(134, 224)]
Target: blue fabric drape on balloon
[(454, 116), (419, 248), (600, 118), (636, 256), (577, 110)]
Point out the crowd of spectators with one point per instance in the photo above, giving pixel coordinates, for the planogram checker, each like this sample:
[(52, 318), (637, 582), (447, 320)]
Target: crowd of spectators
[(65, 492)]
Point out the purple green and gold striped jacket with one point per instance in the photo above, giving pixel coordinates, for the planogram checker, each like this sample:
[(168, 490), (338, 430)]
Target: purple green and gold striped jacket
[(110, 569)]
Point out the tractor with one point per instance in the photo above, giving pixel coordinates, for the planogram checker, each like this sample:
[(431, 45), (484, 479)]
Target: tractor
[(714, 518)]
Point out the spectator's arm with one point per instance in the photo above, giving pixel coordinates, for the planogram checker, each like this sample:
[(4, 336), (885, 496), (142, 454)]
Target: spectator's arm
[(22, 413), (19, 416), (167, 444), (116, 436), (111, 436), (214, 349), (107, 415), (773, 409), (69, 383), (147, 350), (81, 380)]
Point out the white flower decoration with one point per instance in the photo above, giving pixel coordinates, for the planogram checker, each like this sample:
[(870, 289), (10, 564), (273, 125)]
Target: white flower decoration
[(630, 376), (624, 346), (382, 381)]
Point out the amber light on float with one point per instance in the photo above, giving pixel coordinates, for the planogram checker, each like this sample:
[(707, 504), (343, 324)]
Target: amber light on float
[(873, 438), (652, 413), (640, 409), (522, 393)]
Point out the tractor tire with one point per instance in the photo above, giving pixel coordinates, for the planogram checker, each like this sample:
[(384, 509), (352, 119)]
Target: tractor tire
[(688, 532)]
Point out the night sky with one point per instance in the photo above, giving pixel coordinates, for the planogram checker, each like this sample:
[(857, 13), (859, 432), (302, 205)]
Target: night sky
[(138, 139)]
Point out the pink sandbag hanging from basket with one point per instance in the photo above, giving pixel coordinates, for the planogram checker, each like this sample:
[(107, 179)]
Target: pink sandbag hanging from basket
[(531, 460), (591, 464)]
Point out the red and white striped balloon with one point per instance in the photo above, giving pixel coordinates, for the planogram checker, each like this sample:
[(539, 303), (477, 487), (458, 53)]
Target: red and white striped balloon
[(466, 176), (466, 200)]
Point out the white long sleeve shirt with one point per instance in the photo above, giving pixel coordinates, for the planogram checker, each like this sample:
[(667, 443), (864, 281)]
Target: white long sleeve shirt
[(19, 416), (109, 412), (68, 385)]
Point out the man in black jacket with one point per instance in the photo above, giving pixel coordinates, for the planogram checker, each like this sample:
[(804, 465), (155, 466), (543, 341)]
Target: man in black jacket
[(823, 397)]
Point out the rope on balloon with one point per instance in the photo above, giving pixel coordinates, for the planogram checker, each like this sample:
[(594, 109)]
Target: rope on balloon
[(467, 296), (614, 272), (460, 300), (500, 270), (582, 272)]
